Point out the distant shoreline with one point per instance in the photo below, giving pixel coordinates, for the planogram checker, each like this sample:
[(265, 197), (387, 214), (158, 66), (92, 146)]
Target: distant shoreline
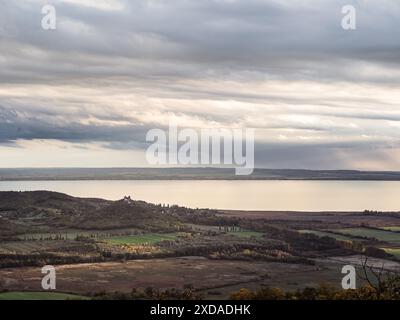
[(71, 174), (294, 215)]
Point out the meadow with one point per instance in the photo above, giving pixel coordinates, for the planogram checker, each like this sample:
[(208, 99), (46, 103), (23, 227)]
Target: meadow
[(380, 235), (149, 238), (392, 228)]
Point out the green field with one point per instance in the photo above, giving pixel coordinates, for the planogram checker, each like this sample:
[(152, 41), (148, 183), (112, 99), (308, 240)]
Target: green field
[(381, 235), (246, 234), (39, 296), (393, 251), (327, 234), (149, 238), (394, 228)]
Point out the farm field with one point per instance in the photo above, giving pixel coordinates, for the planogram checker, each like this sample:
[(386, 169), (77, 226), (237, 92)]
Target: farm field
[(328, 234), (19, 295), (393, 251), (22, 247), (393, 228), (150, 238), (236, 232), (71, 234), (216, 279), (381, 235), (246, 234)]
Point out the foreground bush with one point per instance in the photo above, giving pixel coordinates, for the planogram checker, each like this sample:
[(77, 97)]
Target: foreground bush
[(388, 290)]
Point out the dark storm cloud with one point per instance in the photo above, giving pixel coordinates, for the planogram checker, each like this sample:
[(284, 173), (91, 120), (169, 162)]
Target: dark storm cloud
[(14, 126)]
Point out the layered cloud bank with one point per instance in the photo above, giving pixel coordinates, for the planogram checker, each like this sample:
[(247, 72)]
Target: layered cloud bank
[(86, 93)]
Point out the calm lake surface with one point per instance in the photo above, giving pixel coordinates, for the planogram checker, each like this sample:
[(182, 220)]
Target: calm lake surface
[(238, 195)]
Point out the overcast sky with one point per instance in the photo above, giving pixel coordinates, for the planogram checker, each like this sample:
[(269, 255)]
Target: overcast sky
[(85, 94)]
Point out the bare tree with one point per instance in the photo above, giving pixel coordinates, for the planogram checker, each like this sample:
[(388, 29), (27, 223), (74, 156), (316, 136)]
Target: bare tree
[(380, 279)]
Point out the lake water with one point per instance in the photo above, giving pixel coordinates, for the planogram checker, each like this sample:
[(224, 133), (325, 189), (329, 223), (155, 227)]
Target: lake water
[(239, 195)]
